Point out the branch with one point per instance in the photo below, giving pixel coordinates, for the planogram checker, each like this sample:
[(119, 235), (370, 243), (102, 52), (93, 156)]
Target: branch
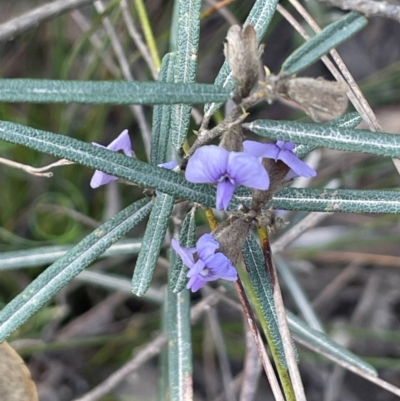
[(40, 14), (368, 7)]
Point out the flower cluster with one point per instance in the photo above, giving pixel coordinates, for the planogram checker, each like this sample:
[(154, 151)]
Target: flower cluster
[(227, 170), (204, 263)]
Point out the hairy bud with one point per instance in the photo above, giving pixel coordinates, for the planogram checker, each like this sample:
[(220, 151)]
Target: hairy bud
[(243, 55)]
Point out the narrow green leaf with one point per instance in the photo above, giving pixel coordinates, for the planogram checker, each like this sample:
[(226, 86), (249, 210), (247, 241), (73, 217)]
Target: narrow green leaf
[(45, 255), (152, 242), (321, 200), (108, 92), (332, 36), (118, 283), (322, 342), (187, 239), (21, 308), (110, 162), (349, 120), (162, 116), (163, 385), (329, 200), (297, 294), (328, 136), (188, 31), (179, 345), (260, 281), (260, 17)]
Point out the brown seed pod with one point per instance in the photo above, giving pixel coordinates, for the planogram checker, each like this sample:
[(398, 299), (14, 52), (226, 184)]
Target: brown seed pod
[(322, 100)]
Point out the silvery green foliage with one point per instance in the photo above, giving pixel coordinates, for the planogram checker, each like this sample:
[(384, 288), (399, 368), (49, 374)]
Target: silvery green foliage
[(172, 95)]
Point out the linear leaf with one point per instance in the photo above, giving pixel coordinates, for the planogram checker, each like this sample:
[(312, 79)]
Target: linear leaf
[(21, 308), (319, 200), (328, 136), (187, 239), (162, 116), (255, 266), (110, 162), (179, 344), (48, 254), (349, 120), (332, 36), (188, 31), (321, 341), (331, 200), (260, 17), (152, 242), (108, 92)]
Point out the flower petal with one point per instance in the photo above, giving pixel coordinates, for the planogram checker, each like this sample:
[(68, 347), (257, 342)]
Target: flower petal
[(258, 149), (99, 178), (206, 247), (186, 254), (195, 283), (168, 165), (198, 267), (225, 190), (221, 267), (288, 146), (122, 142), (207, 165), (245, 169), (297, 165)]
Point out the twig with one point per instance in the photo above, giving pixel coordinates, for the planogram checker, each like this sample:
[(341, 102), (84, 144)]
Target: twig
[(269, 371), (35, 17), (123, 62), (368, 7), (135, 35), (291, 361), (149, 351), (373, 379), (311, 220), (38, 171), (220, 7), (252, 368), (97, 42), (356, 97), (223, 358), (335, 286)]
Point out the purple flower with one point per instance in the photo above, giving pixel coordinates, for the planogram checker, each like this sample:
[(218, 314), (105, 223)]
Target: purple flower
[(122, 142), (168, 165), (212, 164), (203, 263), (280, 151)]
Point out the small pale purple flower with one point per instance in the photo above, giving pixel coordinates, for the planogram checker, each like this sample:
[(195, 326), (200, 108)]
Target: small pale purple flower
[(280, 151), (213, 164), (122, 142), (203, 263), (168, 165)]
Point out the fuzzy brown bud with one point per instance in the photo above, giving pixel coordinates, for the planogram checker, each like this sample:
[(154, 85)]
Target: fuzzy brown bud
[(277, 172), (231, 238), (232, 139), (243, 55)]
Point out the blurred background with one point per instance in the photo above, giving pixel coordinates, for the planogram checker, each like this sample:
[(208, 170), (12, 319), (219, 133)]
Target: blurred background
[(348, 265)]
